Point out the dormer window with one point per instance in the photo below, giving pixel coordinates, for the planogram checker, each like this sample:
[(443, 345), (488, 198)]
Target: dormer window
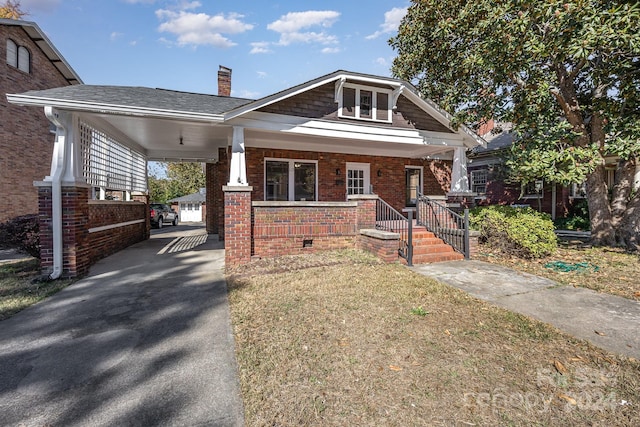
[(365, 103)]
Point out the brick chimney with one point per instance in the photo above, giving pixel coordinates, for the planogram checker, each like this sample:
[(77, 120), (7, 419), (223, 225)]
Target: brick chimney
[(224, 81), (485, 127)]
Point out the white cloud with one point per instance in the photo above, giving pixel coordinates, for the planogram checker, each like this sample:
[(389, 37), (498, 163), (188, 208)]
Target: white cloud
[(291, 26), (140, 1), (115, 36), (260, 47), (201, 29), (331, 50), (382, 61), (261, 74), (392, 19)]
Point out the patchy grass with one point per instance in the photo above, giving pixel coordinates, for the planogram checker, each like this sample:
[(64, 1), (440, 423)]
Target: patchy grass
[(608, 270), (341, 339), (18, 290)]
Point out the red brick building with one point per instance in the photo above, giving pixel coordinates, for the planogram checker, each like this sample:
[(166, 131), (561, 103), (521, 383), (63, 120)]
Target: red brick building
[(300, 170), (29, 62)]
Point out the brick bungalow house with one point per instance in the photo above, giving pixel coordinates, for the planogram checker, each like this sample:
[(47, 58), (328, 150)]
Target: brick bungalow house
[(302, 169), (30, 62)]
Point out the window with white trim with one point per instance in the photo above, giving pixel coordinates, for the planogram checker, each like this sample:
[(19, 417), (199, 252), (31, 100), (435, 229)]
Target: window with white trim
[(533, 190), (18, 56), (578, 191), (358, 178), (291, 180), (479, 181), (365, 103)]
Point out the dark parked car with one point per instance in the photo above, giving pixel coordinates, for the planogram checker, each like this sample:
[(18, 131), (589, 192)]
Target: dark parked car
[(161, 214)]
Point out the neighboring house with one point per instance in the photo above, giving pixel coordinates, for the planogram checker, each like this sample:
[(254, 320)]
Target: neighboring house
[(487, 175), (298, 170), (29, 62), (192, 207)]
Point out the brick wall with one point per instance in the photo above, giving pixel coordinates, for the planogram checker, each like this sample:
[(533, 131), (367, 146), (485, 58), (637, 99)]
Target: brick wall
[(105, 213), (26, 142), (216, 175), (384, 248), (298, 228), (390, 185)]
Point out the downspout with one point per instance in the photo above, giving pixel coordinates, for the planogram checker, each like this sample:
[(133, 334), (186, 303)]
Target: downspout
[(59, 155)]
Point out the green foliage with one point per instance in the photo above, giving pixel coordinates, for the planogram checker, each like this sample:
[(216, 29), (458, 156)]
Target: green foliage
[(566, 74), (22, 233), (521, 232), (577, 218), (170, 180), (419, 311)]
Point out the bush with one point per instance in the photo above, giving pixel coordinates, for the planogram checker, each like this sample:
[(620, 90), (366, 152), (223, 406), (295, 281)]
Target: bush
[(520, 232), (22, 233), (577, 218)]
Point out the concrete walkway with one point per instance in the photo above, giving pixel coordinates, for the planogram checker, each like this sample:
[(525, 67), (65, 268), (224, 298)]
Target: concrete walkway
[(609, 322), (144, 340)]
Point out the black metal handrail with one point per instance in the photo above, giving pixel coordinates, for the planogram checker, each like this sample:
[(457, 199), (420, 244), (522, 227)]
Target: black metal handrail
[(389, 219), (444, 223)]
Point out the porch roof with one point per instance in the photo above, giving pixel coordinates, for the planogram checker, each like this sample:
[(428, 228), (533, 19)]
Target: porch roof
[(179, 126)]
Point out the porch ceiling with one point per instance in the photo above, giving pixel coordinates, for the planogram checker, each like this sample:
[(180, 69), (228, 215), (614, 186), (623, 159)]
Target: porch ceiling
[(159, 138)]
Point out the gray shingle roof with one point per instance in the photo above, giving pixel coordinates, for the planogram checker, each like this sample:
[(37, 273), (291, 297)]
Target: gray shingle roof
[(143, 97), (195, 197)]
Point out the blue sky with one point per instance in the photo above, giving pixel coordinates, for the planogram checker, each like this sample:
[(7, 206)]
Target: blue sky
[(174, 44)]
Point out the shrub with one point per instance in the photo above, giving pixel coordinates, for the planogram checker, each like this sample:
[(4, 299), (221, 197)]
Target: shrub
[(521, 232), (577, 218), (22, 233)]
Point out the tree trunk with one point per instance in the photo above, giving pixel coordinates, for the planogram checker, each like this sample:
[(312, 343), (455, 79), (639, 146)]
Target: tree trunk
[(602, 231), (629, 230)]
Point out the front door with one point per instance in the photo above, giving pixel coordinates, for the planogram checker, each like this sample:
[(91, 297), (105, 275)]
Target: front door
[(358, 178)]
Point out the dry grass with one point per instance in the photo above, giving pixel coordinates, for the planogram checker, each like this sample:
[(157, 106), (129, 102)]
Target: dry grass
[(617, 272), (341, 339), (18, 290)]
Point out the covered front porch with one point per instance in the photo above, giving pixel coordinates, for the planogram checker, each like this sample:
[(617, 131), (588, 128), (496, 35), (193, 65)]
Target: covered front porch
[(256, 157)]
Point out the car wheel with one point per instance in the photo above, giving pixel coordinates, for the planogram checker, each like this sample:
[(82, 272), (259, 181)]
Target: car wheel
[(175, 221), (160, 220)]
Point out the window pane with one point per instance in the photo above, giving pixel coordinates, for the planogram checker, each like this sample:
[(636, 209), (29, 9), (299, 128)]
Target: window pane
[(12, 53), (277, 174), (382, 106), (304, 181), (355, 181), (348, 102), (413, 184), (365, 103), (23, 59)]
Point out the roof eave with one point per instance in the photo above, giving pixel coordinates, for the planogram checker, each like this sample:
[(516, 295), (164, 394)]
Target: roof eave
[(26, 100)]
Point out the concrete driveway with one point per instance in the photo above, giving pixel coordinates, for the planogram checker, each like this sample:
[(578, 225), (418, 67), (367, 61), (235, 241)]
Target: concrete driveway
[(144, 340)]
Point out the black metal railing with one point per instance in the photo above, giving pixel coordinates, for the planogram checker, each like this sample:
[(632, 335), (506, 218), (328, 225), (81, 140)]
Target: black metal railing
[(444, 223), (389, 219)]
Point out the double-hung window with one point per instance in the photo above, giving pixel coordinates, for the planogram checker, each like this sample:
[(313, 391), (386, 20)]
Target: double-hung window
[(479, 181), (291, 180)]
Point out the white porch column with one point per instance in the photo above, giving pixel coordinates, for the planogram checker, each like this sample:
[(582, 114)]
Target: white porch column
[(459, 178), (238, 170), (66, 149)]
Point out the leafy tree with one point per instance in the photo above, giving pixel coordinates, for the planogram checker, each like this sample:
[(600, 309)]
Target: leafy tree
[(567, 74), (185, 178), (11, 10), (170, 180)]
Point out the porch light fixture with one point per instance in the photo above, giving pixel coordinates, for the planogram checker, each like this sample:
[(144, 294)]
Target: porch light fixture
[(337, 171), (379, 172), (181, 143)]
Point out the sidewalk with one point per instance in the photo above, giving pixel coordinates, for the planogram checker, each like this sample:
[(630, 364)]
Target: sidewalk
[(607, 321), (144, 340)]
